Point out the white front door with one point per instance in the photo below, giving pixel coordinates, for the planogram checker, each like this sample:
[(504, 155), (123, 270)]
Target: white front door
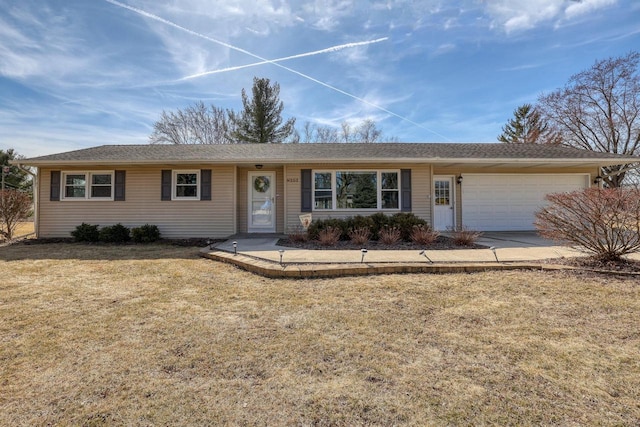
[(262, 202), (443, 196)]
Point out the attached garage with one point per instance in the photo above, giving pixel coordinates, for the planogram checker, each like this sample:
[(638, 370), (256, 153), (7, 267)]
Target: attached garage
[(508, 202)]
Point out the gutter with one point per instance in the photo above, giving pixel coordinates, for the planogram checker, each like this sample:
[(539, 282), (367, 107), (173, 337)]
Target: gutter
[(434, 160)]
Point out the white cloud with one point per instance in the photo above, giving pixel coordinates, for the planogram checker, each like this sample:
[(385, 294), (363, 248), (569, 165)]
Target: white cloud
[(586, 6), (41, 45), (514, 16), (444, 48), (326, 14)]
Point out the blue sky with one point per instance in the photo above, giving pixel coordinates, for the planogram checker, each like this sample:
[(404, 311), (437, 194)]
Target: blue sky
[(80, 73)]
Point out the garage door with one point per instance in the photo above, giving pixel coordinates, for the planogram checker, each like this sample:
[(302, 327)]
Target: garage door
[(505, 202)]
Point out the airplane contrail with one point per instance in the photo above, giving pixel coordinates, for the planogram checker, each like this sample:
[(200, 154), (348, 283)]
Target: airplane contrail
[(230, 46), (287, 58)]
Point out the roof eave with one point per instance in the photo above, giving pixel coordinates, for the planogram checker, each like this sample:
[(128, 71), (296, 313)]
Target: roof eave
[(434, 160)]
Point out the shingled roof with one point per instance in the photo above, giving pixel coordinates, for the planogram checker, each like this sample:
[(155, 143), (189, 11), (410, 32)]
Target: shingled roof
[(330, 153)]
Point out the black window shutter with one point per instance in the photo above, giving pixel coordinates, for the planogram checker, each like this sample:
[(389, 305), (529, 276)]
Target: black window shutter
[(306, 189), (205, 184), (166, 185), (55, 186), (405, 182), (120, 178)]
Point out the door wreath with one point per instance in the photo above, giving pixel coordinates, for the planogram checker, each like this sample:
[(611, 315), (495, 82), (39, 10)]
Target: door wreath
[(261, 184)]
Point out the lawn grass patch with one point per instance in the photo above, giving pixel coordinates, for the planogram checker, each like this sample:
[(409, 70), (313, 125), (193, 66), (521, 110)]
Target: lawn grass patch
[(155, 335), (22, 229)]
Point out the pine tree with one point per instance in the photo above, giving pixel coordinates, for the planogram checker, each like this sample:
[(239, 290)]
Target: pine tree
[(16, 177), (261, 119), (526, 127)]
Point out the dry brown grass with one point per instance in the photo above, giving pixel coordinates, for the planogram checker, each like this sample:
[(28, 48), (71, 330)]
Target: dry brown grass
[(155, 335), (23, 229)]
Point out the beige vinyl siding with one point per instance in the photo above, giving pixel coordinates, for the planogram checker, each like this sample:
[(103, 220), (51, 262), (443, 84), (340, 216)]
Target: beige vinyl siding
[(420, 191), (280, 200), (242, 200), (175, 219)]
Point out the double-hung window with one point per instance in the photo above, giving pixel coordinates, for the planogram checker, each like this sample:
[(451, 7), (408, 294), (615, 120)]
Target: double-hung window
[(323, 194), (186, 185), (87, 185), (356, 190)]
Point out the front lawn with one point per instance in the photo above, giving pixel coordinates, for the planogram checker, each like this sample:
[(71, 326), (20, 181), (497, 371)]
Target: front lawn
[(155, 335)]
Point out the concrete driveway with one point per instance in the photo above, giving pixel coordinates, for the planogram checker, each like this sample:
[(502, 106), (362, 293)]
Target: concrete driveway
[(515, 239)]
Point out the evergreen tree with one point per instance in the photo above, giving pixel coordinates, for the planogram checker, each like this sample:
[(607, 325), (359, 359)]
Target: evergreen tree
[(526, 127), (261, 119), (16, 178)]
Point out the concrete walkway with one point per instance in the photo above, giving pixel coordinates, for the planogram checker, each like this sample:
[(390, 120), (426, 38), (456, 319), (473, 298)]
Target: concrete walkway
[(261, 254)]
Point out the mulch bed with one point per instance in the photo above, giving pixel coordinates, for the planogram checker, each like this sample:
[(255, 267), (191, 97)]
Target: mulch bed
[(622, 266), (442, 243)]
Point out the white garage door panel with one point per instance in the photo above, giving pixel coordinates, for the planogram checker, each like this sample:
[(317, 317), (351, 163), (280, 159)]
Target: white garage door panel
[(508, 202)]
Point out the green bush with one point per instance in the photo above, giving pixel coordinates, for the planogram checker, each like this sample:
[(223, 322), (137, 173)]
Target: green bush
[(145, 234), (380, 221), (405, 222), (86, 233), (115, 234), (374, 223), (358, 222)]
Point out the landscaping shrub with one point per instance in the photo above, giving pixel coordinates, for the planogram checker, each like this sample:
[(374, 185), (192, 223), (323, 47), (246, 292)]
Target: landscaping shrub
[(115, 234), (86, 233), (423, 235), (314, 228), (380, 220), (602, 222), (15, 206), (359, 221), (298, 235), (405, 221), (145, 234), (389, 235), (360, 236), (329, 236), (320, 224), (463, 236)]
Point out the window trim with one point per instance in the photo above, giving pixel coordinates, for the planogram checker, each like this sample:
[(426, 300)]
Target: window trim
[(174, 184), (379, 190), (88, 175)]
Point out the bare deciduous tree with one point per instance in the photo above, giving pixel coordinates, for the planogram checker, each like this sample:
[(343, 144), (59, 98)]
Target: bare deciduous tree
[(15, 206), (366, 132), (599, 110), (602, 222), (196, 124)]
